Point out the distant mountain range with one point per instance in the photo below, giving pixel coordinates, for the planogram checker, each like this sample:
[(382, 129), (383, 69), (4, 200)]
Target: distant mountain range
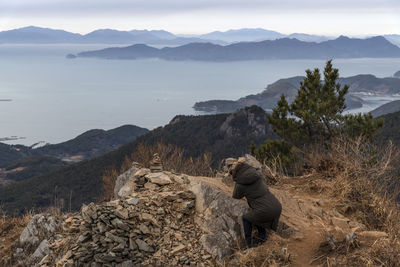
[(252, 35), (342, 47), (37, 35), (393, 38), (267, 99)]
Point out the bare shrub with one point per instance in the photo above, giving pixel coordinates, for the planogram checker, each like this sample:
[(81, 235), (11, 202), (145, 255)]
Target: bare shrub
[(109, 178), (10, 230), (364, 186), (173, 159), (272, 253)]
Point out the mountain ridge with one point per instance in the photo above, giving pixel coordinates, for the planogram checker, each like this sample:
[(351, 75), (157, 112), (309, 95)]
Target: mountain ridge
[(222, 135), (34, 34), (285, 48), (267, 99)]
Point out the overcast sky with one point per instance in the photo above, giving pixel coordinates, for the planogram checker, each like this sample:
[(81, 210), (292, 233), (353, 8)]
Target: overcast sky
[(351, 17)]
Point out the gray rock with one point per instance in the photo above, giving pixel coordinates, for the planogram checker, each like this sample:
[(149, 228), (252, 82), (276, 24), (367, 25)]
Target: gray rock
[(143, 246), (126, 264), (119, 224), (102, 227), (144, 229), (41, 251), (159, 178), (123, 179), (130, 186), (222, 218), (89, 212), (40, 227), (116, 239), (132, 201), (83, 238)]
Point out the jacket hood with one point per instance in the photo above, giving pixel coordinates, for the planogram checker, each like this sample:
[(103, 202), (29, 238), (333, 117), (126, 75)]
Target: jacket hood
[(247, 175)]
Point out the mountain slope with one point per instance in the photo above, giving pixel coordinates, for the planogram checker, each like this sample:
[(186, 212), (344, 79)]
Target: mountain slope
[(19, 162), (223, 135), (243, 35), (33, 34), (93, 143), (267, 99), (391, 107), (342, 47), (390, 129)]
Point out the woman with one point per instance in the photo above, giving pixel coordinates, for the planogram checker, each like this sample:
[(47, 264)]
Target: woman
[(265, 207)]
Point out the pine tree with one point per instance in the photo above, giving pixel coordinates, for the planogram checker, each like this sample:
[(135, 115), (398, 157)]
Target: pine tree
[(316, 114)]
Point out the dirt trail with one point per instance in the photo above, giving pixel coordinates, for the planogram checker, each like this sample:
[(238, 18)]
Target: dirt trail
[(302, 211)]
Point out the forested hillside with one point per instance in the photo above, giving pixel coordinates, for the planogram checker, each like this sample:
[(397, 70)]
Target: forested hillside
[(223, 135)]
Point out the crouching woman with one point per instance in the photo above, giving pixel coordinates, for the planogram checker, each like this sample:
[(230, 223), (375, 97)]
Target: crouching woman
[(265, 207)]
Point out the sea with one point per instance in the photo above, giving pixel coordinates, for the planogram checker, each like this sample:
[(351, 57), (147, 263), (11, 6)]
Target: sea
[(45, 97)]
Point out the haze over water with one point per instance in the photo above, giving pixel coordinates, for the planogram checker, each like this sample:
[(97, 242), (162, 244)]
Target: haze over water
[(55, 99)]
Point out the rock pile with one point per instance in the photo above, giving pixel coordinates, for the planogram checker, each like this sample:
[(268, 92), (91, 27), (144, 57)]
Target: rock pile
[(155, 164), (152, 226), (156, 219)]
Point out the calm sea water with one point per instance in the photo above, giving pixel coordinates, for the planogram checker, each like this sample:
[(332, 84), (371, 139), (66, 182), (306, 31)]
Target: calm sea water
[(55, 99)]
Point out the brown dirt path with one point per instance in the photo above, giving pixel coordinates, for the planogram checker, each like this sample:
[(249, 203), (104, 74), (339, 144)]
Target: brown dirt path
[(301, 211)]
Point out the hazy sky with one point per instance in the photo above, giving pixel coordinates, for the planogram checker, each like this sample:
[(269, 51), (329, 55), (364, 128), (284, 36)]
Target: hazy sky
[(351, 17)]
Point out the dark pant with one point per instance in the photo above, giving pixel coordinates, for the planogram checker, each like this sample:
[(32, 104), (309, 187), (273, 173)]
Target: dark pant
[(248, 229)]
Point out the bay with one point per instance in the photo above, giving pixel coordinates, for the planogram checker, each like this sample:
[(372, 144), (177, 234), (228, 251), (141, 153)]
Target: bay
[(54, 99)]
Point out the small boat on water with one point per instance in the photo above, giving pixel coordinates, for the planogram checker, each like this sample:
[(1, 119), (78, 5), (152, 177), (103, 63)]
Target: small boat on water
[(5, 100)]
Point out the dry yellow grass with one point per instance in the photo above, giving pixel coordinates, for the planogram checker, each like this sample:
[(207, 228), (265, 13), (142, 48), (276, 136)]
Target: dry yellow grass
[(172, 158), (358, 180), (10, 230)]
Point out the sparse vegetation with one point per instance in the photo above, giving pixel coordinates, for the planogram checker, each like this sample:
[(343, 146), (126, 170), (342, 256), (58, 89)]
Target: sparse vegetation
[(172, 158), (10, 230)]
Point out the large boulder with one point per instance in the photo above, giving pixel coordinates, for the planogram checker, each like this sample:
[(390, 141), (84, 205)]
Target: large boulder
[(219, 216), (33, 243), (124, 178)]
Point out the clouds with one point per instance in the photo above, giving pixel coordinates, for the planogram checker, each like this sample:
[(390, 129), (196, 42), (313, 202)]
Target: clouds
[(186, 16), (156, 7)]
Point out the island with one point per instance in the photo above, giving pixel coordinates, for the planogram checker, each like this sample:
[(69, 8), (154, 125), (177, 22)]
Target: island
[(70, 56), (360, 86), (284, 48)]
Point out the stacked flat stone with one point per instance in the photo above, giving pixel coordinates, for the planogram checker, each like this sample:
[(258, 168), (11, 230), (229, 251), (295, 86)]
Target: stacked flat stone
[(156, 164), (153, 226)]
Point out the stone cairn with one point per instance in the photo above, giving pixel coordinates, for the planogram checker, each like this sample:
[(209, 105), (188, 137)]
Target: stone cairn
[(152, 226), (156, 164)]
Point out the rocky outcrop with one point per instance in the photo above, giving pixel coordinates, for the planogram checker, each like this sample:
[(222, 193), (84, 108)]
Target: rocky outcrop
[(33, 244), (156, 218), (167, 219), (250, 118), (219, 216), (124, 178)]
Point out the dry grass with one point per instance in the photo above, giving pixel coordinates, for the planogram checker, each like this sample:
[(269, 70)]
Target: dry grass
[(363, 182), (109, 177), (172, 158), (10, 230), (271, 253)]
